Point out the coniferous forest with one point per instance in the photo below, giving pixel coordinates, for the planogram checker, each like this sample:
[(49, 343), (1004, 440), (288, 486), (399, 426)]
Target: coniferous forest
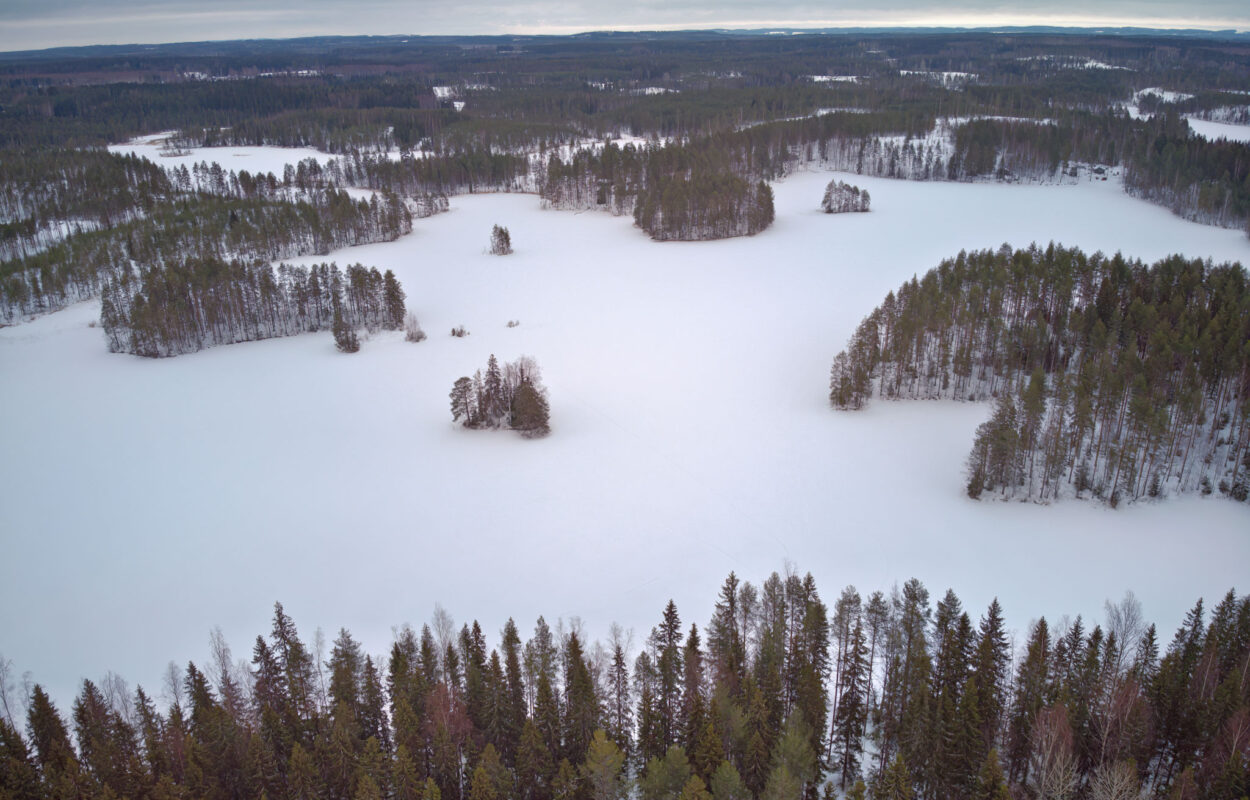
[(194, 304), (782, 695), (1111, 378), (706, 119)]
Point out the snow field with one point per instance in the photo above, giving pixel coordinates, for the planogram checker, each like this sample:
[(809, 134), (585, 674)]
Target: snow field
[(144, 502)]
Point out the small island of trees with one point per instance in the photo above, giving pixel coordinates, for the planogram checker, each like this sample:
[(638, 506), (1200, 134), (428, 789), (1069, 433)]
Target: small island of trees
[(509, 397), (843, 197)]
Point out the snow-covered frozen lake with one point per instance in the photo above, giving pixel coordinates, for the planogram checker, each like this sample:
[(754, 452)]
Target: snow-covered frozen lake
[(144, 502)]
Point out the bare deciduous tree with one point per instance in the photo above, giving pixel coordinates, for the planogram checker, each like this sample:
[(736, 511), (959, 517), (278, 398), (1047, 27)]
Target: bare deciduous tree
[(1124, 619), (1115, 781), (1052, 768)]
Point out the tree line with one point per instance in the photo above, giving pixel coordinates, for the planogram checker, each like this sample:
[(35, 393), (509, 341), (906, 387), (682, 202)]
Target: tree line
[(1110, 378), (204, 302), (223, 217), (781, 696)]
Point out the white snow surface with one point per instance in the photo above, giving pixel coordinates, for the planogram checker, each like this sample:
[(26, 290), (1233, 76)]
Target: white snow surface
[(1164, 95), (256, 160), (143, 502), (1219, 130)]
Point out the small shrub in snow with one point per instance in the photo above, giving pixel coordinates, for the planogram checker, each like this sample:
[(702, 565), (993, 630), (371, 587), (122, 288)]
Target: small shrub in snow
[(500, 241), (412, 329), (459, 332), (512, 323)]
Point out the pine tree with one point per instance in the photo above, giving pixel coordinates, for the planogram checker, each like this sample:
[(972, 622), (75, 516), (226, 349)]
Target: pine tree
[(666, 642), (302, 777), (727, 784), (692, 713), (567, 784), (344, 334), (694, 789), (619, 713), (393, 301), (534, 767), (19, 780), (603, 769), (462, 405), (581, 712), (991, 783), (405, 777), (895, 784), (725, 649), (514, 692), (665, 777)]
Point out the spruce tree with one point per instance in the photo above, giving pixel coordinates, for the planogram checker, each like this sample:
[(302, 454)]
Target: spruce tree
[(852, 713), (530, 412)]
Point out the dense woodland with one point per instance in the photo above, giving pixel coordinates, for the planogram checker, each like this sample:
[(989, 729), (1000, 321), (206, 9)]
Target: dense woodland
[(153, 219), (713, 117), (782, 695), (1111, 378), (196, 303)]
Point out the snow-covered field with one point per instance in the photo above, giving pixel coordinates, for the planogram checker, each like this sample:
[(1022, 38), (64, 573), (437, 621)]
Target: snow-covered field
[(1219, 130), (256, 160), (143, 502)]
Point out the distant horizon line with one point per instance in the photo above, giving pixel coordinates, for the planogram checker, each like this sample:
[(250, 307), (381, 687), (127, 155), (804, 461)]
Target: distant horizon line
[(758, 30)]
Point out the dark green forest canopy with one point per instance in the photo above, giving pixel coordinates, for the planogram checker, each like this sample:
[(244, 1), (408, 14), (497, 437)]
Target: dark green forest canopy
[(783, 694), (713, 116), (1111, 378)]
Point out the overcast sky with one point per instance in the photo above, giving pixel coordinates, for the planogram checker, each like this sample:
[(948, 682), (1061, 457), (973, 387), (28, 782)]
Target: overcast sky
[(35, 24)]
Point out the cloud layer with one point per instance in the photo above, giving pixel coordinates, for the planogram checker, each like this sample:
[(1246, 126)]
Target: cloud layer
[(35, 24)]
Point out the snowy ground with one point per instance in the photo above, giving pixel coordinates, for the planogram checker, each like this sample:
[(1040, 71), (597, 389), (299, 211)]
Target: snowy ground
[(256, 160), (143, 502), (1219, 130)]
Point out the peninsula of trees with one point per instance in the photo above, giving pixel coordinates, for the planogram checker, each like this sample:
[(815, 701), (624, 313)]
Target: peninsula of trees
[(781, 696), (1110, 378), (198, 303)]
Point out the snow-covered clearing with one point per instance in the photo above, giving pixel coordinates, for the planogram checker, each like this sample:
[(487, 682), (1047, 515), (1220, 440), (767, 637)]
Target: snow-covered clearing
[(833, 78), (1164, 95), (256, 160), (144, 502), (1219, 130)]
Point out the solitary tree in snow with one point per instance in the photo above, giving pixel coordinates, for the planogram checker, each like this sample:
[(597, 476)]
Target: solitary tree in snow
[(500, 241)]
